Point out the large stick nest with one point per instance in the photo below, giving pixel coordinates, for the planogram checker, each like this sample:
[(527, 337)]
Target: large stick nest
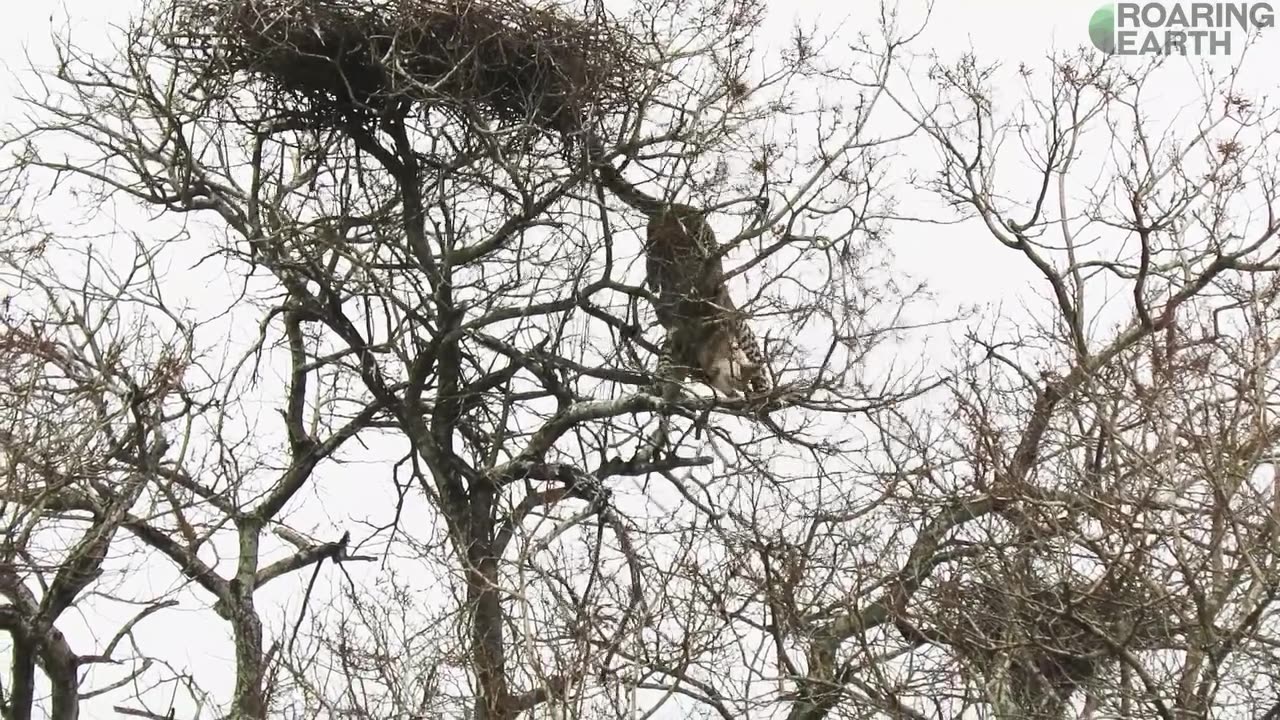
[(508, 61), (1056, 621)]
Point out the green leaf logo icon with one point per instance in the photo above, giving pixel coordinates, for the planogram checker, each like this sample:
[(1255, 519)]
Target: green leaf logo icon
[(1102, 28)]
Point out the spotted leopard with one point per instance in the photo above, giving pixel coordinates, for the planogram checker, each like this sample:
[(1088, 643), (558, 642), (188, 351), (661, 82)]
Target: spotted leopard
[(708, 337)]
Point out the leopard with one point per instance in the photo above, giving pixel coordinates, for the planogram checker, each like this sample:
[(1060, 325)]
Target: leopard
[(708, 337)]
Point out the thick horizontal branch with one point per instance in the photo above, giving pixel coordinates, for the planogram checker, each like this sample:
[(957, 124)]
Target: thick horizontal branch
[(335, 551)]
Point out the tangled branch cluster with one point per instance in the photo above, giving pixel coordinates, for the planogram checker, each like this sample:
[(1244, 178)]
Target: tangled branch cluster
[(1060, 635), (511, 62)]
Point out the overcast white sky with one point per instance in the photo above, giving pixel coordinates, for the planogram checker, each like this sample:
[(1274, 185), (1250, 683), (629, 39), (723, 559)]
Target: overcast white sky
[(1010, 31), (962, 265)]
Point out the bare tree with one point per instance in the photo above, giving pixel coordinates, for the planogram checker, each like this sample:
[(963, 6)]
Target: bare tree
[(429, 272), (432, 349), (71, 414)]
